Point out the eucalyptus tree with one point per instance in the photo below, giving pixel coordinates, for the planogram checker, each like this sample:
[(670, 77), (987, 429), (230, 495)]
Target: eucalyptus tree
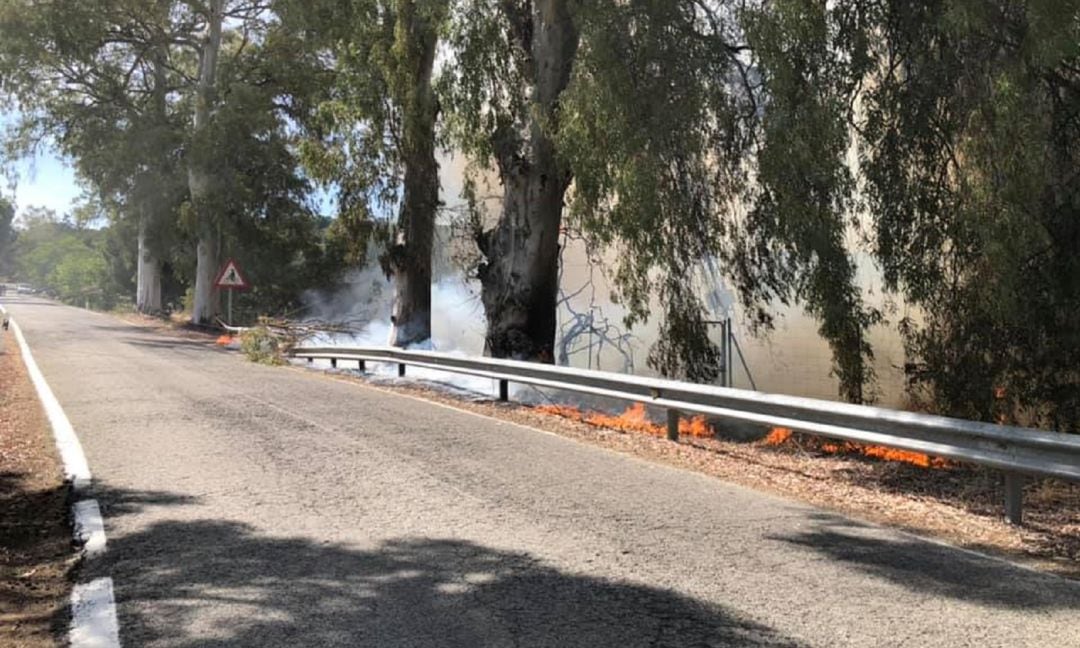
[(512, 62), (205, 305), (652, 122), (95, 78), (969, 141), (373, 135), (946, 132)]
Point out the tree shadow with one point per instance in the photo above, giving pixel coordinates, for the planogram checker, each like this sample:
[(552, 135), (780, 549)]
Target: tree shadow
[(35, 558), (936, 570), (171, 343), (219, 583)]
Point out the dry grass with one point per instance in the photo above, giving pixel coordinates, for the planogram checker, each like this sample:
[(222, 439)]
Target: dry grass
[(36, 552)]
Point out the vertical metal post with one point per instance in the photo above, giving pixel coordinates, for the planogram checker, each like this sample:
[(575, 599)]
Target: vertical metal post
[(310, 360), (729, 359), (401, 370), (723, 354), (1014, 498), (361, 366), (333, 363), (229, 311), (504, 390), (673, 425)]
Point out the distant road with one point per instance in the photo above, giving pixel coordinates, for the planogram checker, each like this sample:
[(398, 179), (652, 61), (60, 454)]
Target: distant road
[(252, 506)]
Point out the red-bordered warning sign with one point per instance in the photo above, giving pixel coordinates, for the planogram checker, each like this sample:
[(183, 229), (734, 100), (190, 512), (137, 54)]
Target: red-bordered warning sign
[(230, 277)]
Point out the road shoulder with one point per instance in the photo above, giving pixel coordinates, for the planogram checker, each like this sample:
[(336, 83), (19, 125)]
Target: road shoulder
[(36, 551)]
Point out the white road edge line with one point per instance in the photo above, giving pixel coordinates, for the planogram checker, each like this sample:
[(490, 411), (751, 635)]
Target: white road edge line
[(94, 622), (93, 616), (89, 527), (71, 453)]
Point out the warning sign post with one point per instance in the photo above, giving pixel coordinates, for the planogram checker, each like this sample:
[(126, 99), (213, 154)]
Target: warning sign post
[(230, 278)]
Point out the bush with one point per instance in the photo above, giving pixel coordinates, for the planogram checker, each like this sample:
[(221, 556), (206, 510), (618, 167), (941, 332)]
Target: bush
[(260, 345)]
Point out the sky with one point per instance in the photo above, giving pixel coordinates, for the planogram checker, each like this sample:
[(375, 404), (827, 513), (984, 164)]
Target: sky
[(43, 181)]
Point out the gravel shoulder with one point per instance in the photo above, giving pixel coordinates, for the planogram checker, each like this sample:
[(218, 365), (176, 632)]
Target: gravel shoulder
[(36, 552)]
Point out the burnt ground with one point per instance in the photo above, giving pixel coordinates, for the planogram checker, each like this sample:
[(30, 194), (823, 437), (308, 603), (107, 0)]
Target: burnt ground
[(958, 504), (36, 551)]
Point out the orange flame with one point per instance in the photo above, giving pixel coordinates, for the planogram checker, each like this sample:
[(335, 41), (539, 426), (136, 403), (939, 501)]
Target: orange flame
[(634, 419), (779, 436)]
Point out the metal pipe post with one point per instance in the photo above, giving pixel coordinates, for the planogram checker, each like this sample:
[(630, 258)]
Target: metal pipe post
[(504, 390), (361, 367), (401, 370), (333, 363), (673, 424), (1014, 498)]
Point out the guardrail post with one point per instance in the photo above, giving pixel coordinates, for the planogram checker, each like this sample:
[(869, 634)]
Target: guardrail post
[(362, 368), (504, 390), (1014, 498), (333, 363), (401, 370), (673, 424), (310, 360)]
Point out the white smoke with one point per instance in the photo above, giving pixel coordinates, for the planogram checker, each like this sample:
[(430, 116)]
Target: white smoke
[(363, 303)]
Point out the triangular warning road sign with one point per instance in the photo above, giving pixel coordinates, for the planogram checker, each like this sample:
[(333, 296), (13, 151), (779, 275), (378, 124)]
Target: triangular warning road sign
[(230, 277)]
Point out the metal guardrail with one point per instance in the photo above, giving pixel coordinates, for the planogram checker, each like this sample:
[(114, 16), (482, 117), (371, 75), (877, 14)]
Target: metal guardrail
[(1015, 450)]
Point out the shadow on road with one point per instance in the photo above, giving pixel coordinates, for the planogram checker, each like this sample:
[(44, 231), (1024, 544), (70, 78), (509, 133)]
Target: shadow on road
[(171, 343), (215, 583), (936, 570)]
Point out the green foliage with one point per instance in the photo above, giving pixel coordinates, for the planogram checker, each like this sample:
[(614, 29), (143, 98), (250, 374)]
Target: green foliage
[(656, 138), (111, 84), (65, 260), (796, 240), (357, 134), (7, 234), (969, 143), (260, 345)]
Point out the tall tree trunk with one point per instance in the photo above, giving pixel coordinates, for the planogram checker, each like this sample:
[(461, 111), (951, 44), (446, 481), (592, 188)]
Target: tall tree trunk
[(206, 295), (148, 282), (148, 275), (408, 261), (520, 275)]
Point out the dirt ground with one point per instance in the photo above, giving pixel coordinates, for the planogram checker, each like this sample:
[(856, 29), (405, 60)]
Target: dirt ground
[(36, 551), (958, 504)]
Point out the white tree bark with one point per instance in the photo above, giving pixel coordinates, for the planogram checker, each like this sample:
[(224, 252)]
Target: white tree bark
[(148, 283), (207, 302)]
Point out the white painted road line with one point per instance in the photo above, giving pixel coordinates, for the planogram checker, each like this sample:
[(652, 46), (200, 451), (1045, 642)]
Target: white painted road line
[(71, 452), (93, 612), (89, 527), (93, 609)]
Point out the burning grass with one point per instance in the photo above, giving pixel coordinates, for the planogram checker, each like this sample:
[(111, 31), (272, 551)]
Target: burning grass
[(634, 419), (780, 437)]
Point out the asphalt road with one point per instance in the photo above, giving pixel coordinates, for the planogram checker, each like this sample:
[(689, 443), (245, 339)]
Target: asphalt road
[(252, 506)]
